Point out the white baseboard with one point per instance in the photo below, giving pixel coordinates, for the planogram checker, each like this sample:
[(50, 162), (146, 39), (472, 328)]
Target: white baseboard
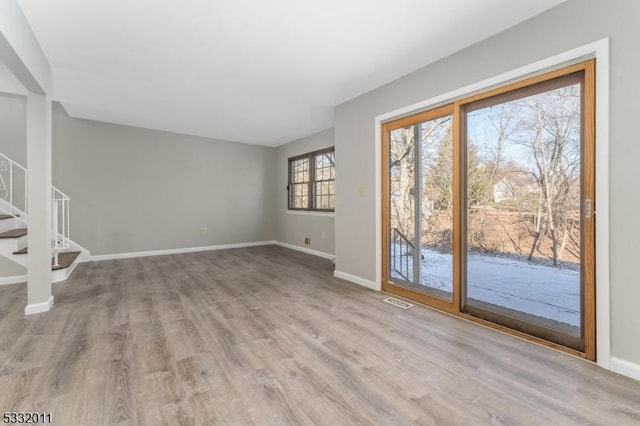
[(38, 308), (305, 250), (358, 280), (18, 279), (207, 248), (99, 257), (626, 368)]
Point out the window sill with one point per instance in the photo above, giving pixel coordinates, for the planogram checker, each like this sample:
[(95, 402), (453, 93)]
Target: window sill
[(310, 213)]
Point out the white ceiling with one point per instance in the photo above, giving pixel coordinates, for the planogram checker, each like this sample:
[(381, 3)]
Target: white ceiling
[(255, 71)]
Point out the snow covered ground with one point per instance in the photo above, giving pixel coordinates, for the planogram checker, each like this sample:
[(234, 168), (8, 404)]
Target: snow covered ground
[(541, 290)]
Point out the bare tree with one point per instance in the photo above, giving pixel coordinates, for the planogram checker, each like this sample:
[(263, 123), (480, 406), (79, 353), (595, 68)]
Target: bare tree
[(402, 171), (523, 156), (550, 130)]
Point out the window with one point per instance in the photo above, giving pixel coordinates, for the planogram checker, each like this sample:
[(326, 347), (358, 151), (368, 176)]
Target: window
[(312, 181)]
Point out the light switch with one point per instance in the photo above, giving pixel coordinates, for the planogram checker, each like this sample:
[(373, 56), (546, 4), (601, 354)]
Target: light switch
[(361, 191)]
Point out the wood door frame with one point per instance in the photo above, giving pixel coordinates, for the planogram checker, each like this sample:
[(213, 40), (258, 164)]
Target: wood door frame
[(588, 275)]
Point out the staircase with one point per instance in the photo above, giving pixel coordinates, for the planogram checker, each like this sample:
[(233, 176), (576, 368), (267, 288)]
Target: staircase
[(14, 223)]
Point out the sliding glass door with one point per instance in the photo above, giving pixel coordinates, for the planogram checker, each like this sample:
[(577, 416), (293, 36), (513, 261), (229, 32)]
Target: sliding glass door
[(488, 207), (524, 228), (420, 177)]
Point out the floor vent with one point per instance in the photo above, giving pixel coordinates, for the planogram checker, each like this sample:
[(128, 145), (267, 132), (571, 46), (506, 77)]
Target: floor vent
[(397, 302)]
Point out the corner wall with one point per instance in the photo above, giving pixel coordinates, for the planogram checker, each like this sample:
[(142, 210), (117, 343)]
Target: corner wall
[(292, 226), (136, 189), (13, 144), (13, 127)]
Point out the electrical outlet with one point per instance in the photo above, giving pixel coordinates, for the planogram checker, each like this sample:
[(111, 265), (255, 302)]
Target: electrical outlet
[(307, 241), (203, 230)]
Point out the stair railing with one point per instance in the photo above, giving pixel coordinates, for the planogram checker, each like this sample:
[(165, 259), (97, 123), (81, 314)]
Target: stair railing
[(13, 188), (401, 254), (13, 198), (59, 222)]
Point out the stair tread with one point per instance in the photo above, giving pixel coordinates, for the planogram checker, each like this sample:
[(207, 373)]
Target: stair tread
[(65, 259), (14, 233), (5, 216)]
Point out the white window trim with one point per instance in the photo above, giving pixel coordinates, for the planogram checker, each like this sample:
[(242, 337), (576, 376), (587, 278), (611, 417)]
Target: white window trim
[(599, 50)]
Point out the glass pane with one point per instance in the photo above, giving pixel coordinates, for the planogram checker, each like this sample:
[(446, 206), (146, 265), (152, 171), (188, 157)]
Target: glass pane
[(299, 195), (431, 186), (300, 170), (401, 204), (523, 209), (325, 168), (323, 202), (324, 192), (436, 174)]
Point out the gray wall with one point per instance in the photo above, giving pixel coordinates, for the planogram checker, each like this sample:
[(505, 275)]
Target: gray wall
[(10, 269), (13, 143), (13, 127), (135, 189), (292, 227), (569, 25)]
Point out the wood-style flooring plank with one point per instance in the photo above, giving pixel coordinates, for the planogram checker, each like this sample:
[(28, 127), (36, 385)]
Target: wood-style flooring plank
[(266, 336)]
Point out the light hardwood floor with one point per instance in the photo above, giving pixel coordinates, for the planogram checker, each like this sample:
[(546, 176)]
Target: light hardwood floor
[(267, 336)]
